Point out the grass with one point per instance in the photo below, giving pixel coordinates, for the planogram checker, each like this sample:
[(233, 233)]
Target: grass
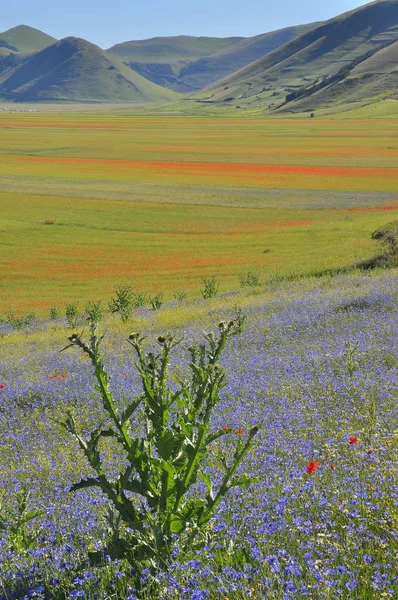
[(93, 200)]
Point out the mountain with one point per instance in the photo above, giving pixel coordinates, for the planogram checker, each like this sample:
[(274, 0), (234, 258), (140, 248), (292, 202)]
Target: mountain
[(186, 64), (24, 39), (313, 56), (375, 76), (78, 71), (162, 59)]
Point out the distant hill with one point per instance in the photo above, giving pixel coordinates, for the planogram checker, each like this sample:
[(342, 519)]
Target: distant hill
[(187, 64), (316, 55), (24, 39), (78, 71)]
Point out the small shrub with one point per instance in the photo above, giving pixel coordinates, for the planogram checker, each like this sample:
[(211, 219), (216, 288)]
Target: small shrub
[(54, 314), (123, 302), (388, 235), (180, 295), (72, 314), (140, 299), (19, 322), (250, 279), (210, 287), (157, 301), (166, 462)]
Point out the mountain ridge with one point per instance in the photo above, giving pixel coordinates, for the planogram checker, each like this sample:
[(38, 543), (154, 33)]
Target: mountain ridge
[(201, 60), (73, 69)]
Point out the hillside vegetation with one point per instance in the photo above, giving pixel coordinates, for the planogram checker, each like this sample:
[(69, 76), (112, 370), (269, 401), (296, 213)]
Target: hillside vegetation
[(319, 54), (187, 64), (25, 39), (76, 70)]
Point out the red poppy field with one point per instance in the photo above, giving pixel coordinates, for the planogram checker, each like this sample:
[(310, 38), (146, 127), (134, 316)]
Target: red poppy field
[(89, 201)]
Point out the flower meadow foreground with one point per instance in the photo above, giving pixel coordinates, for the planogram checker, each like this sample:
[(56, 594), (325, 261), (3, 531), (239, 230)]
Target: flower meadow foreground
[(316, 368)]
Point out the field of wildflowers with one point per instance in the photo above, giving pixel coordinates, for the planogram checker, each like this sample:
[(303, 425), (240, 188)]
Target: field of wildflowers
[(316, 367)]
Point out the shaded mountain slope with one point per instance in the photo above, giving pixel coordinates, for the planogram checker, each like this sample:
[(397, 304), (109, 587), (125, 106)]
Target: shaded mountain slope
[(316, 54), (76, 70), (373, 77)]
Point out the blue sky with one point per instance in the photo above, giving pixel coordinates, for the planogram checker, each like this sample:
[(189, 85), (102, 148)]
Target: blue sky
[(113, 21)]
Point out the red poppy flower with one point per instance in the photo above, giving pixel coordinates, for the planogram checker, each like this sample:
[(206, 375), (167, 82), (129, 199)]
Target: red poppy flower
[(239, 431), (332, 466), (225, 428), (2, 386), (353, 440), (312, 467)]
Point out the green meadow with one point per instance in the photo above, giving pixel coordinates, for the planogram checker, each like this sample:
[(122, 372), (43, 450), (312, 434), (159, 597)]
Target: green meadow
[(92, 200)]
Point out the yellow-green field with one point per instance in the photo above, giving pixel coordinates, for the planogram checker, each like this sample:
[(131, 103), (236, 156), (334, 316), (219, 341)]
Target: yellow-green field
[(89, 201)]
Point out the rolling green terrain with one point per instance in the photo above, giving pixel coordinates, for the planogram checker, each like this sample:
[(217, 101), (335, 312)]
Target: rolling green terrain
[(25, 39), (187, 64), (76, 70), (316, 55)]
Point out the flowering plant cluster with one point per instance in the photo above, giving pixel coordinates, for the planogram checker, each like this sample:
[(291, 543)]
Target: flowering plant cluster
[(152, 494)]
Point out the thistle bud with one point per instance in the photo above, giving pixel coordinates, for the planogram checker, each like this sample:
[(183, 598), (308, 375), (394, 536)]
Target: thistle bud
[(161, 339), (73, 337), (133, 336), (221, 326)]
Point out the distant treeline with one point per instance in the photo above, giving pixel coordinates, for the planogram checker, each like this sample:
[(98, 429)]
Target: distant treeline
[(327, 80)]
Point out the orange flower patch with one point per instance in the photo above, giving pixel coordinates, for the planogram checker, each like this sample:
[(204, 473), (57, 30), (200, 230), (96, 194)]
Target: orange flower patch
[(183, 167)]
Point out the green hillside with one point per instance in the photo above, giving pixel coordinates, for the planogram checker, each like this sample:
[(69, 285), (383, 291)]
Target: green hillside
[(162, 59), (373, 77), (25, 39), (76, 70), (187, 64), (312, 56)]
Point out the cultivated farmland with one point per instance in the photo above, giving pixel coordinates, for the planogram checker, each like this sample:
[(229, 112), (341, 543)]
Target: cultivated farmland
[(93, 200)]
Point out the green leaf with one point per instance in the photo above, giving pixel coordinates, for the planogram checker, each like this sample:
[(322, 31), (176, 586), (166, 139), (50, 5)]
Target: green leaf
[(166, 444), (130, 410), (206, 478), (176, 524)]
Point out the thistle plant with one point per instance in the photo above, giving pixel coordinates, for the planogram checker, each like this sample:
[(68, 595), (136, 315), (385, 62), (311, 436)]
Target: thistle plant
[(54, 314), (349, 355), (139, 299), (15, 523), (94, 312), (153, 496), (156, 301), (19, 322), (239, 321), (72, 314), (250, 279), (123, 302), (180, 295), (210, 287)]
